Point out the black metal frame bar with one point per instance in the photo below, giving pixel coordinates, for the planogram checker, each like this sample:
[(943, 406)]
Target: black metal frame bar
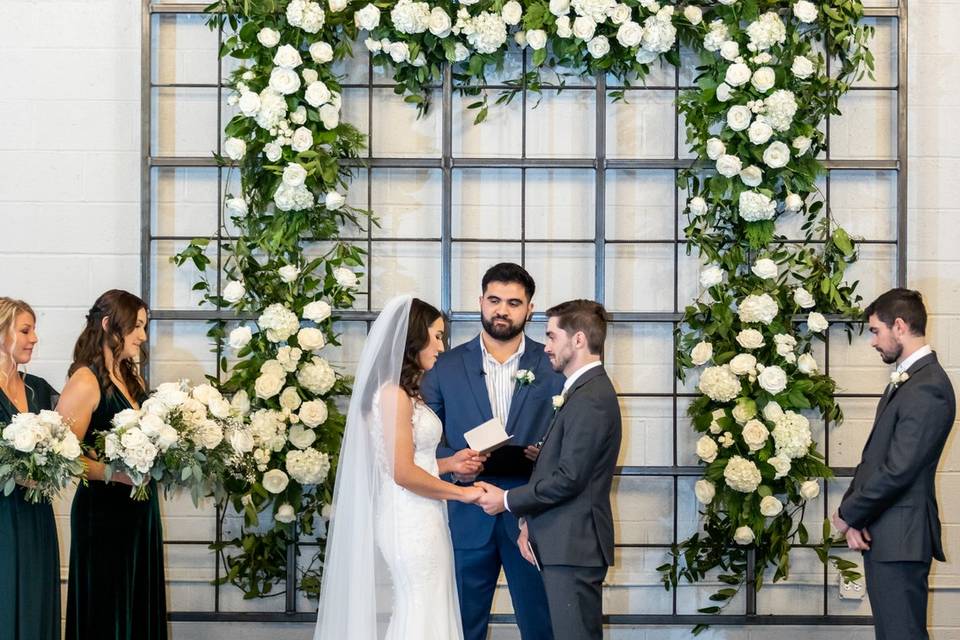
[(447, 164)]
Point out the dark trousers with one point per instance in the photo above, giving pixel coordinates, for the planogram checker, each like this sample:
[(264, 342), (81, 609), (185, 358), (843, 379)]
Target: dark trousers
[(575, 595), (477, 573), (898, 597)]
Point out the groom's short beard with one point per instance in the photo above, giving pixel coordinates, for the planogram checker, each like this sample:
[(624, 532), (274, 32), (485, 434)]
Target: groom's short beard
[(509, 332), (889, 357)]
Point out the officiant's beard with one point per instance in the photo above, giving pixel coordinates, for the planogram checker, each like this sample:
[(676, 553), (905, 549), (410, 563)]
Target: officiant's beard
[(503, 332)]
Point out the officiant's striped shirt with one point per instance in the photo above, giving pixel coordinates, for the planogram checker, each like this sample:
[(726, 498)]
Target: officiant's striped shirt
[(501, 380)]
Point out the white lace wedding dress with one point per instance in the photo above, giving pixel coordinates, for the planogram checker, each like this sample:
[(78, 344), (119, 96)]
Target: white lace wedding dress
[(414, 538)]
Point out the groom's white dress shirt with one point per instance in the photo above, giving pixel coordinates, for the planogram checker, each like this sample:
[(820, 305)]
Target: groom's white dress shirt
[(916, 355)]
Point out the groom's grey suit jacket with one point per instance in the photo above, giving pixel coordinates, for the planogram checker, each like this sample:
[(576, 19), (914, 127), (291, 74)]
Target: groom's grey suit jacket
[(567, 501), (893, 492)]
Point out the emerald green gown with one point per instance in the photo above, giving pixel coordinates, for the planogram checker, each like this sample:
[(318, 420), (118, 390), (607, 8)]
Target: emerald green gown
[(116, 589), (29, 553)]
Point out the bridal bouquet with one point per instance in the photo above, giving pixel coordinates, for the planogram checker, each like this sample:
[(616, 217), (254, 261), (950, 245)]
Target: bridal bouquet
[(175, 438), (41, 452)]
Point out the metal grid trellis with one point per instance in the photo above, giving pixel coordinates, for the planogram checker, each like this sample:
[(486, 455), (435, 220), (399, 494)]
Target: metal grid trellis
[(448, 164)]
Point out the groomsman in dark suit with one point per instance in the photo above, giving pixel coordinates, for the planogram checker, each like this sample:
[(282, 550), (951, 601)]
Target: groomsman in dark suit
[(469, 385), (890, 510), (568, 528)]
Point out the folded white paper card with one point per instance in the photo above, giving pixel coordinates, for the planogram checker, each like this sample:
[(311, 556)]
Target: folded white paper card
[(487, 437)]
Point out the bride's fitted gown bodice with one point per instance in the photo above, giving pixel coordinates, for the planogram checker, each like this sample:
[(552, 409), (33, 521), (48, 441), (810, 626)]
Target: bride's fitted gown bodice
[(413, 536)]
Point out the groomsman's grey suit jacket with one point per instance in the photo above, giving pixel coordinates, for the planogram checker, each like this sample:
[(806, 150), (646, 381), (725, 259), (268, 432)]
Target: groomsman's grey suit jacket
[(567, 501), (893, 492)]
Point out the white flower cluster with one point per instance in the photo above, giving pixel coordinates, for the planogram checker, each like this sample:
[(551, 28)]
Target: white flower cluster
[(306, 15), (44, 433), (279, 322), (792, 436), (754, 206), (720, 384), (485, 32), (40, 448), (317, 376), (308, 466), (742, 475), (758, 308), (766, 32), (410, 17)]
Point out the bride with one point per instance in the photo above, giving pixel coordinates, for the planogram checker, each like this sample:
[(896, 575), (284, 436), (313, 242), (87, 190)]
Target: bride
[(388, 567)]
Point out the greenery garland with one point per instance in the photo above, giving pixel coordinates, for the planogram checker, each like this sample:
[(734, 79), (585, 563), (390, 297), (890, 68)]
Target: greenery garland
[(762, 94)]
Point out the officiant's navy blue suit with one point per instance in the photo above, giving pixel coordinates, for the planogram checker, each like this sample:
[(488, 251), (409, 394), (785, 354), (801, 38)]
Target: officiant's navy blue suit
[(456, 391)]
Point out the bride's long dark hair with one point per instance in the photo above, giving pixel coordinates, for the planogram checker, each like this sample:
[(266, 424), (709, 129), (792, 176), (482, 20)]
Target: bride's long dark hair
[(422, 315)]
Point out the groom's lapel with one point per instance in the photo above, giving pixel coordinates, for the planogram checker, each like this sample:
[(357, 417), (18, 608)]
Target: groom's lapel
[(888, 396), (528, 361), (585, 378), (473, 370)]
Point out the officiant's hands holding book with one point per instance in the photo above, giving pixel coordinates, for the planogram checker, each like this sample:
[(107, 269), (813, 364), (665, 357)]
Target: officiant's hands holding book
[(465, 465)]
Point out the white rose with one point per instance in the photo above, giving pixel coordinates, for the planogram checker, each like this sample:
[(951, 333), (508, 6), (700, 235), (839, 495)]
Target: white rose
[(235, 148), (793, 203), (801, 144), (707, 449), (701, 353), (599, 46), (302, 140), (439, 23), (220, 408), (268, 37), (711, 276), (760, 132), (240, 402), (751, 176), (780, 464), (729, 166), (563, 27), (289, 273), (537, 39), (739, 117), (817, 323), (697, 206), (802, 67), (210, 434), (810, 489), (460, 52), (724, 92), (763, 79), (743, 364), (737, 74), (268, 386), (309, 76), (317, 94), (285, 514), (317, 311), (773, 379), (313, 413), (750, 339), (629, 34), (287, 57), (743, 535), (284, 81), (249, 103), (619, 14), (715, 148), (234, 292), (290, 399), (334, 200), (777, 155), (301, 437), (772, 411), (559, 7), (345, 277), (705, 491), (755, 434), (240, 337), (273, 368), (237, 206), (805, 11), (241, 440), (730, 50), (367, 18), (372, 45), (584, 27), (807, 364), (770, 507), (329, 116), (310, 339), (511, 12), (273, 151), (294, 175), (765, 268), (275, 481), (399, 52), (693, 14), (70, 446), (803, 298), (321, 52)]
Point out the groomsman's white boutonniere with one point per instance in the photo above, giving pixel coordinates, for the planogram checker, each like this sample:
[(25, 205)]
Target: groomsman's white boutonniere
[(524, 377), (557, 403), (898, 377)]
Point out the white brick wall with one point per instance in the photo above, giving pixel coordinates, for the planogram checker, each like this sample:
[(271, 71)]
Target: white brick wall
[(69, 229)]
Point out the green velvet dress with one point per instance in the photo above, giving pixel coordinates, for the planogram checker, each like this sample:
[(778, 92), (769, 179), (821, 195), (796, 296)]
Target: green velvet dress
[(29, 553), (116, 586)]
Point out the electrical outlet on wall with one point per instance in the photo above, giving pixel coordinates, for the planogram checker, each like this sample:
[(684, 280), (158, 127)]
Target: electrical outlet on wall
[(854, 590)]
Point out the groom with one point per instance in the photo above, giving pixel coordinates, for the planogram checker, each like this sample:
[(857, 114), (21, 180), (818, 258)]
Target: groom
[(890, 510), (568, 527), (468, 386)]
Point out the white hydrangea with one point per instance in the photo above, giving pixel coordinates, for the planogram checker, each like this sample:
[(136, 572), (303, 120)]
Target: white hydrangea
[(273, 108), (279, 322), (758, 308), (716, 36), (287, 198), (410, 17), (317, 376), (719, 383), (767, 31), (486, 32), (597, 10), (659, 34), (754, 206), (792, 436), (308, 466), (781, 107), (742, 475)]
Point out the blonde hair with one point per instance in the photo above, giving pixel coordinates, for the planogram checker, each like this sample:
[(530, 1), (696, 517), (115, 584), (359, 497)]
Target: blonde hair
[(10, 308)]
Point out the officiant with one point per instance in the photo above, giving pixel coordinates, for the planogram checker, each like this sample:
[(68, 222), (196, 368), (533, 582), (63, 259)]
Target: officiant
[(502, 374)]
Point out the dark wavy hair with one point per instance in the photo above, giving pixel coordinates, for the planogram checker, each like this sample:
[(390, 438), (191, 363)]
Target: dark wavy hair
[(121, 309), (422, 315)]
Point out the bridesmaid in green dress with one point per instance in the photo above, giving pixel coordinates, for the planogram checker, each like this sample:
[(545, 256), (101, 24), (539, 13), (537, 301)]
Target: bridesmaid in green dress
[(116, 586), (29, 553)]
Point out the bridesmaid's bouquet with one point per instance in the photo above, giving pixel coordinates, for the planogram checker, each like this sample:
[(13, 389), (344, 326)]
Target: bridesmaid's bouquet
[(42, 453), (176, 438)]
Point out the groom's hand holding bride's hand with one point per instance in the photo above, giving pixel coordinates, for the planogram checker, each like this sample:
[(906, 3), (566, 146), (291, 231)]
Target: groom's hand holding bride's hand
[(492, 499)]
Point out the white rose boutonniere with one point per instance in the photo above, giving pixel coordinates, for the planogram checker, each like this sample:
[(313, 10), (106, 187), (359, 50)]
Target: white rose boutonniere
[(557, 402), (897, 378), (524, 377)]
